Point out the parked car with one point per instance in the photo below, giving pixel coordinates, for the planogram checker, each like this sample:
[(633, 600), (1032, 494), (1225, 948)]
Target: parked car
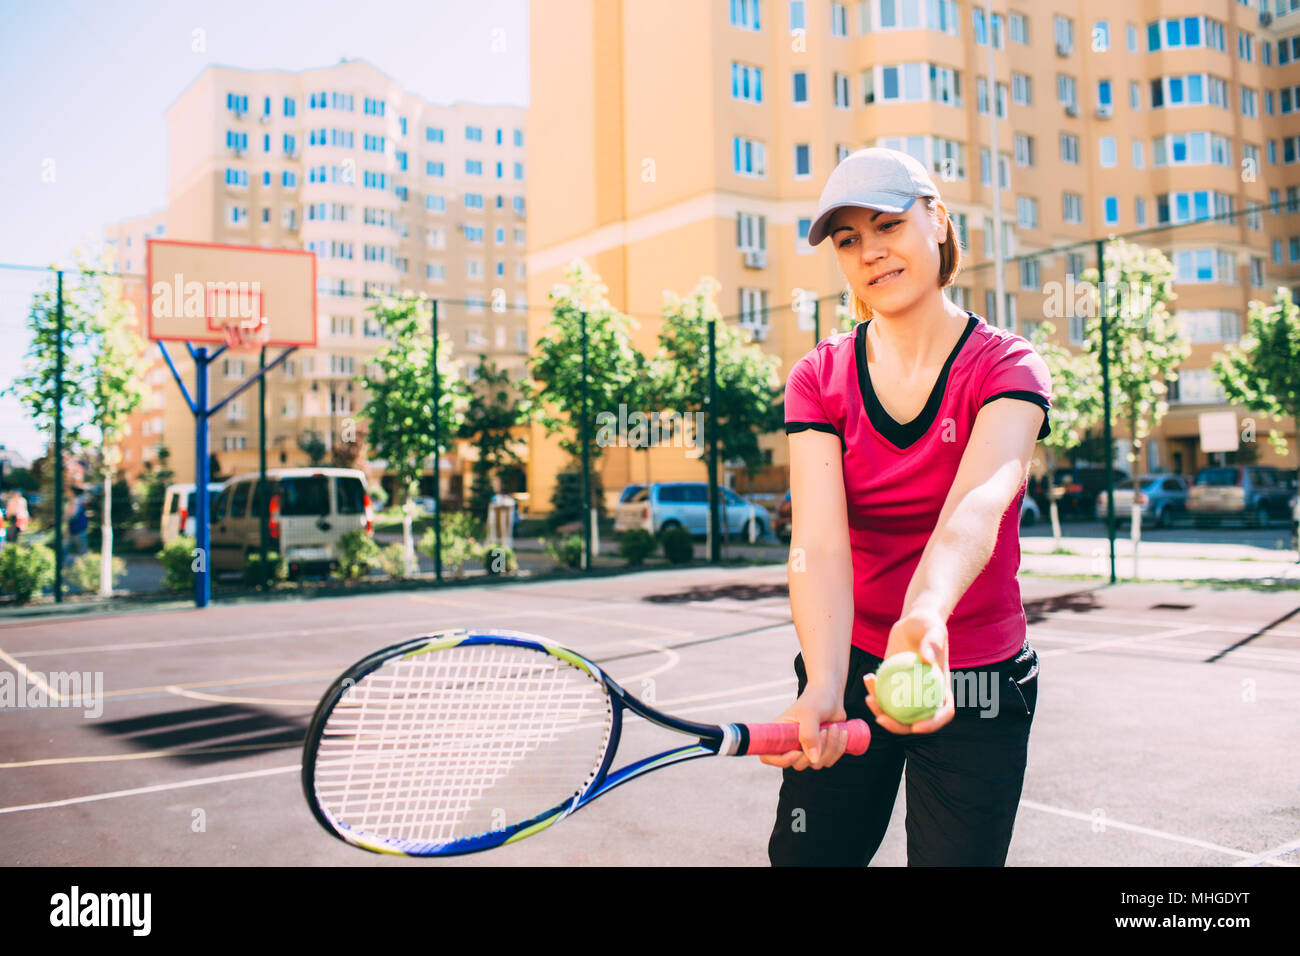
[(1076, 487), (781, 523), (309, 509), (685, 504), (178, 509), (1162, 498), (1253, 494), (628, 491)]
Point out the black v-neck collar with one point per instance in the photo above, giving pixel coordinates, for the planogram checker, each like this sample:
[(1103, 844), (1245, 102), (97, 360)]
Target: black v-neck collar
[(898, 435)]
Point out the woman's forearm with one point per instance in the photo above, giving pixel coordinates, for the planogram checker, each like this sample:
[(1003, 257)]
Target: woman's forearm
[(821, 601), (953, 558)]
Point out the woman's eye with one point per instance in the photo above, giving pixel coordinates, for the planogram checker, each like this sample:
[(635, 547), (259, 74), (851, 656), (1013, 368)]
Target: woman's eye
[(845, 242), (891, 225)]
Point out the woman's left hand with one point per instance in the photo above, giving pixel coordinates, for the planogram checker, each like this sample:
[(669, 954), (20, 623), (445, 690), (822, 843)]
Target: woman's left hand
[(924, 633)]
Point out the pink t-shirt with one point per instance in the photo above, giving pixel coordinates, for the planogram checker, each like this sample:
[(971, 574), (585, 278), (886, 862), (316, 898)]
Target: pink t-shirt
[(897, 477)]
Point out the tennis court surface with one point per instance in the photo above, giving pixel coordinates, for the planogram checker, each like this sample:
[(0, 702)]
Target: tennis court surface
[(1165, 735)]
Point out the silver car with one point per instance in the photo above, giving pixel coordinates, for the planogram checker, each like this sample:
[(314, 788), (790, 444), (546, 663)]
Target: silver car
[(685, 504)]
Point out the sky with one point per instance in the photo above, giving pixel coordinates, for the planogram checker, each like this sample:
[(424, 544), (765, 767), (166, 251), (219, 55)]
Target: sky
[(84, 87)]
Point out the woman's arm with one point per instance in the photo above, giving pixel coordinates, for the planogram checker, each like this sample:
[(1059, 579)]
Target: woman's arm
[(820, 574), (993, 467)]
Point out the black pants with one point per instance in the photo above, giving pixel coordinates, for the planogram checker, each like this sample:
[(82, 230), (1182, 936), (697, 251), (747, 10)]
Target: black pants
[(963, 780)]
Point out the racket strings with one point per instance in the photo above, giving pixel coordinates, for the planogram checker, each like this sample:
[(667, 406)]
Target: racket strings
[(457, 742)]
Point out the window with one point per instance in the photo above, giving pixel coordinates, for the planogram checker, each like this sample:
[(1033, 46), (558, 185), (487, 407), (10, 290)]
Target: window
[(1110, 210), (1004, 169), (746, 83), (911, 82), (981, 30), (751, 232), (1027, 213), (1140, 211), (1072, 208), (1177, 32), (839, 20), (1132, 32), (1100, 36), (945, 157), (748, 157), (1249, 102), (1022, 93), (1029, 274), (1246, 46), (1069, 148), (1210, 265), (1138, 159), (1107, 148), (753, 311), (1019, 28), (800, 86), (290, 106), (433, 134), (1194, 89), (744, 14), (982, 97), (1135, 95), (1180, 207), (1063, 30), (1104, 102), (1066, 93), (1024, 150), (1257, 272), (802, 160), (797, 21), (840, 87)]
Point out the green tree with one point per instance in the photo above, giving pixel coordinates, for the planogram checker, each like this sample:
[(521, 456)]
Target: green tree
[(1076, 404), (155, 489), (1262, 371), (311, 444), (399, 404), (747, 381), (1145, 343), (614, 366), (101, 379), (493, 411)]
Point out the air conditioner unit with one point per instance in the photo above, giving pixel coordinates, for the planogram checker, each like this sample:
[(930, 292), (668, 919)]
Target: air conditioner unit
[(1265, 18), (1071, 109), (237, 150), (1063, 49), (759, 333), (239, 114), (1104, 111), (264, 118), (755, 260)]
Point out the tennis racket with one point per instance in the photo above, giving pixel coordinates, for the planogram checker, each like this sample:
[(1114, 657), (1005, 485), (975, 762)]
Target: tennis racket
[(466, 740)]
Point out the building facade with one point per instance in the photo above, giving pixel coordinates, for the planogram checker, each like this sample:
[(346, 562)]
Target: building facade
[(681, 139), (393, 193)]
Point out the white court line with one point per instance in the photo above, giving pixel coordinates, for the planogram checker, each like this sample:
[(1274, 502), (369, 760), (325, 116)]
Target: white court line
[(673, 660), (1127, 640), (157, 788), (36, 679), (1145, 831), (222, 699), (1267, 855), (1066, 615), (1244, 655)]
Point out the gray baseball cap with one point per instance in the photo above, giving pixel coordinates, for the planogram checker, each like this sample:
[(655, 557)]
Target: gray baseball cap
[(873, 178)]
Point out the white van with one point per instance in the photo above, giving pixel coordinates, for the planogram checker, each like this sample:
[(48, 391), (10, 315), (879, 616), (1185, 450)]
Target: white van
[(309, 510), (178, 509)]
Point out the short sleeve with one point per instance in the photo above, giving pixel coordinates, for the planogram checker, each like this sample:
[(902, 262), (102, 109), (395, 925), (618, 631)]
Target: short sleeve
[(1020, 372), (803, 399)]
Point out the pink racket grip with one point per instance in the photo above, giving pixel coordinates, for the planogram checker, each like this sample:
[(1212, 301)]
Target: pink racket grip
[(783, 736)]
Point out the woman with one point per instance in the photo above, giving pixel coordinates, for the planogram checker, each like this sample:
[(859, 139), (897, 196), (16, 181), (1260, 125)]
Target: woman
[(906, 476)]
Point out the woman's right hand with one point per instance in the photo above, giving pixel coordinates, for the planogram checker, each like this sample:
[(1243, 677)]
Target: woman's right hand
[(817, 705)]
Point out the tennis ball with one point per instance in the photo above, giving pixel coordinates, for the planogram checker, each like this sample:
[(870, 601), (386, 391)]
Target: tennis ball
[(908, 689)]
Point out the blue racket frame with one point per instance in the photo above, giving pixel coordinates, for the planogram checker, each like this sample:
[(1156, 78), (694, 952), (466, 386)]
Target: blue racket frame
[(713, 740)]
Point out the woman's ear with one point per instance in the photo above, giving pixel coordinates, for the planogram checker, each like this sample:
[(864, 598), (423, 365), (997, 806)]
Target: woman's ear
[(941, 222)]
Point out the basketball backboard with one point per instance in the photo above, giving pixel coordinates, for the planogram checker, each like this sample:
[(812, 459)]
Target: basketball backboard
[(243, 296)]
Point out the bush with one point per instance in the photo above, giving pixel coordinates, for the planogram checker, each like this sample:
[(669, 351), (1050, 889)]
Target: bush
[(393, 560), (275, 569), (84, 572), (567, 551), (25, 570), (678, 546), (498, 559), (378, 498), (357, 552), (461, 537), (177, 560), (636, 545)]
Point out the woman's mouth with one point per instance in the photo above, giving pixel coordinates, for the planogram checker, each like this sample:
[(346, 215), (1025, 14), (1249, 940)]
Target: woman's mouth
[(887, 278)]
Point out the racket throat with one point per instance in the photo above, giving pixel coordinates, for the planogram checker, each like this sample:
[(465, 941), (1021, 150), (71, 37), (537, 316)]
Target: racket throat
[(735, 740)]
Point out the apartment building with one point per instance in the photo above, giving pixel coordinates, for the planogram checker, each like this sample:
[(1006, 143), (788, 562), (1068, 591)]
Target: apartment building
[(393, 193), (694, 138)]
